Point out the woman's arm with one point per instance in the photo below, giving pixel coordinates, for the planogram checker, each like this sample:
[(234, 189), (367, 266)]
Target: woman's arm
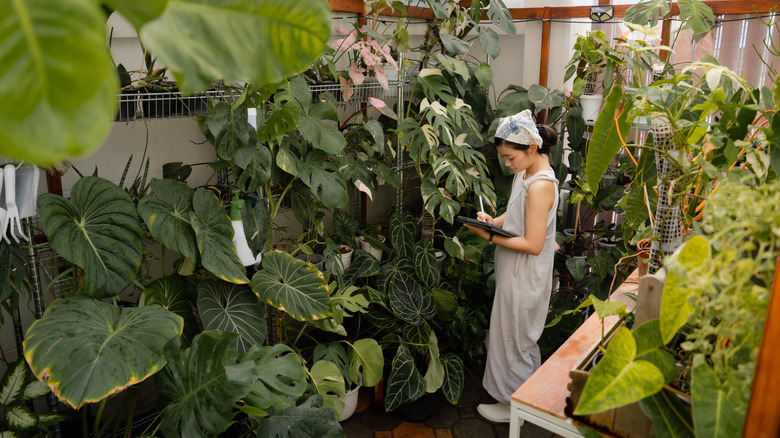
[(497, 221), (539, 201)]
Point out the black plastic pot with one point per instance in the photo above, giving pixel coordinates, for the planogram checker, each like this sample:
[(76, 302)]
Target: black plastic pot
[(128, 102), (418, 410)]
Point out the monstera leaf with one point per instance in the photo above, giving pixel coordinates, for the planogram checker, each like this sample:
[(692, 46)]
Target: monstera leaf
[(231, 307), (215, 238), (203, 382), (366, 357), (292, 285), (281, 377), (309, 418), (409, 301), (405, 383), (317, 172), (98, 230), (167, 215), (170, 293), (88, 349), (329, 383), (46, 49), (425, 264)]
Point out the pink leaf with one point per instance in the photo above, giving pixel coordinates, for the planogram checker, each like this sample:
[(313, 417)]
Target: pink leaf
[(347, 90), (356, 74), (382, 107), (381, 77)]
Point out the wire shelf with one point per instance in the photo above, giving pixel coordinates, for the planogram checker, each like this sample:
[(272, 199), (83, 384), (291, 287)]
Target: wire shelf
[(135, 104), (360, 93)]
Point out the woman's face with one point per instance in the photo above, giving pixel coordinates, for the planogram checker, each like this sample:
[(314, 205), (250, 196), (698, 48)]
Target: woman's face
[(515, 160)]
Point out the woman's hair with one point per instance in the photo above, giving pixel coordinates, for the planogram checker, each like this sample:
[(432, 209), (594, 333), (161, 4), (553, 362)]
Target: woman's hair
[(549, 139)]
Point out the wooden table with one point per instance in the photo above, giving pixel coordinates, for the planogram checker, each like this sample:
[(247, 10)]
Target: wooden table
[(542, 398)]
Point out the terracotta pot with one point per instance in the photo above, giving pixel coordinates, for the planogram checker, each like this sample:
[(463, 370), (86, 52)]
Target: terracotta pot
[(643, 256)]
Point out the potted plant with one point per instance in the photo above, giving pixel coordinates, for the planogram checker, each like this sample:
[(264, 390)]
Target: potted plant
[(593, 58)]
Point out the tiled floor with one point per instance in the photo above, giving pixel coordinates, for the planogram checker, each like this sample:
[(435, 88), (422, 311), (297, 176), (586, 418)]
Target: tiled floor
[(447, 421)]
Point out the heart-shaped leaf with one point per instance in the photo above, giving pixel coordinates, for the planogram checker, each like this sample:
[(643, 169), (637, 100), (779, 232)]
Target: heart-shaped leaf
[(46, 49), (674, 301), (425, 264), (87, 349), (454, 377), (167, 215), (409, 301), (363, 265), (402, 235), (229, 307), (293, 286), (257, 226), (203, 382), (716, 412), (215, 238), (310, 418), (170, 293), (97, 230), (202, 42), (281, 377), (405, 382)]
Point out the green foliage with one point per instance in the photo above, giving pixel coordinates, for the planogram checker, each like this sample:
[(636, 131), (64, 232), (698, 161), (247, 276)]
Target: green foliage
[(166, 213), (171, 294), (228, 307), (309, 418)]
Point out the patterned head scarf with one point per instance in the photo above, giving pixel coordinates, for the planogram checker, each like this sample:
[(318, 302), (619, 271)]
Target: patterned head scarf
[(519, 128)]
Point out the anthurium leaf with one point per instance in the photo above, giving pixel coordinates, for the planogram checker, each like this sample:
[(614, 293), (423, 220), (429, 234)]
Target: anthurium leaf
[(203, 382), (257, 226), (365, 357), (46, 50), (309, 419), (402, 235), (716, 413), (445, 300), (170, 293), (454, 377), (120, 347), (329, 383), (139, 12), (671, 419), (21, 418), (98, 230), (281, 377), (418, 336), (229, 307), (166, 212), (293, 286), (318, 174), (409, 301), (607, 134), (405, 382), (434, 375), (214, 235), (363, 265), (13, 383), (674, 301), (619, 379), (202, 42), (425, 264), (577, 266)]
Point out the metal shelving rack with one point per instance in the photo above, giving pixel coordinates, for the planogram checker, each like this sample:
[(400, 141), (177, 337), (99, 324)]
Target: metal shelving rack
[(138, 104)]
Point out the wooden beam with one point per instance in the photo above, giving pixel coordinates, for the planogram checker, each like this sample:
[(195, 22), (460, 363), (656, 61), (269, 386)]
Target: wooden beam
[(544, 58), (763, 417), (356, 6)]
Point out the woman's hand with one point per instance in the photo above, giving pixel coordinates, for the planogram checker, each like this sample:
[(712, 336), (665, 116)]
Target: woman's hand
[(480, 232), (484, 217)]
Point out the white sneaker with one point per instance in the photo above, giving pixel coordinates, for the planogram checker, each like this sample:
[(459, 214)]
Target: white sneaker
[(497, 413)]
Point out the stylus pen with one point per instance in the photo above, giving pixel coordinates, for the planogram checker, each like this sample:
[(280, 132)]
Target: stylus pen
[(481, 207)]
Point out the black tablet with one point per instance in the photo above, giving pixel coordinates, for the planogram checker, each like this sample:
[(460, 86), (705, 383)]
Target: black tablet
[(488, 226)]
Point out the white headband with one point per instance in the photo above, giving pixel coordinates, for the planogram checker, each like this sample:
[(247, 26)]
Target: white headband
[(519, 128)]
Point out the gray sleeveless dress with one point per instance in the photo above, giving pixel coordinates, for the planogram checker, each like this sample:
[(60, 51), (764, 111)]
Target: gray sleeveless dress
[(523, 287)]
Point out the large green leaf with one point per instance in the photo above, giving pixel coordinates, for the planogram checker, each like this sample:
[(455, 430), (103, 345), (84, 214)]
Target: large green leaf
[(167, 215), (454, 377), (619, 379), (363, 265), (674, 301), (409, 301), (488, 39), (215, 237), (47, 48), (402, 234), (425, 264), (203, 382), (88, 349), (607, 134), (434, 375), (256, 42), (329, 383), (317, 172), (309, 419), (257, 226), (716, 413), (13, 383), (318, 132), (365, 356), (98, 230), (405, 382), (170, 293), (650, 348), (670, 418), (293, 286), (281, 377), (235, 308)]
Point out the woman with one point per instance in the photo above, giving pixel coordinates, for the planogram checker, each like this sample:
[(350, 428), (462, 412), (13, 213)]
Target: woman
[(524, 264)]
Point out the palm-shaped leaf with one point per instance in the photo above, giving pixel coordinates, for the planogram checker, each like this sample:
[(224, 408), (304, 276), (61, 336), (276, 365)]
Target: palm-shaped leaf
[(98, 230), (215, 238), (425, 264), (454, 377), (309, 419), (229, 307), (281, 377), (292, 285), (409, 301), (405, 382), (170, 293), (88, 349), (167, 215)]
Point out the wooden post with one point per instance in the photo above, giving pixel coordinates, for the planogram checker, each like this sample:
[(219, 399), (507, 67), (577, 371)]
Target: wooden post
[(544, 58)]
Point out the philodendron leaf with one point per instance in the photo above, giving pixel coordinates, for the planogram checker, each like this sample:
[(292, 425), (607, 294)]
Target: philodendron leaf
[(425, 264), (650, 347), (203, 42), (119, 347), (257, 226), (329, 383), (170, 293), (670, 418), (98, 230), (293, 286), (309, 419), (139, 12), (716, 413), (409, 301), (203, 382), (405, 382), (281, 377), (674, 301), (167, 215), (46, 49), (434, 375), (609, 133), (215, 238), (229, 307), (365, 356), (454, 377), (619, 379)]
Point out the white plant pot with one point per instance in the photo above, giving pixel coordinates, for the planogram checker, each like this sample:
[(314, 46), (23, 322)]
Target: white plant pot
[(341, 261), (318, 260), (365, 245), (591, 106), (350, 403), (441, 256)]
